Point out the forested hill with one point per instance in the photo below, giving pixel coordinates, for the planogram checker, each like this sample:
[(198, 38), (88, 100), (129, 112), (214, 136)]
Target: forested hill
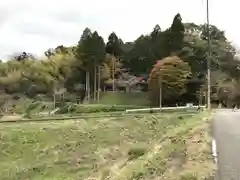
[(174, 58)]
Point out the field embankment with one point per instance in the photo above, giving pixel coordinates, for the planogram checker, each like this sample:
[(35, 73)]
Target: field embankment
[(155, 146)]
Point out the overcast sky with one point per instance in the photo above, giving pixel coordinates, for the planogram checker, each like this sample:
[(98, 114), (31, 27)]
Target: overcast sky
[(36, 25)]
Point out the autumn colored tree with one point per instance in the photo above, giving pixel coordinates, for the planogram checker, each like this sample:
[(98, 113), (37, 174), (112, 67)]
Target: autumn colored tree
[(111, 66), (168, 76)]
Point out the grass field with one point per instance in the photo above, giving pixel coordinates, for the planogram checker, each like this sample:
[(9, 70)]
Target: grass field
[(122, 98), (157, 146)]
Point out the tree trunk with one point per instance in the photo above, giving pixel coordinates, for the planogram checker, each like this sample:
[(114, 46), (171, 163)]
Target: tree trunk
[(113, 76), (160, 92), (95, 83), (54, 101), (88, 86)]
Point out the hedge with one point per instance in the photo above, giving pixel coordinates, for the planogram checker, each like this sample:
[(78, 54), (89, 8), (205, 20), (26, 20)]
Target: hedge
[(74, 108)]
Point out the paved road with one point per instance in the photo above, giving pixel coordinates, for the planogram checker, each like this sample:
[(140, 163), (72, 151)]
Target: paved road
[(226, 130)]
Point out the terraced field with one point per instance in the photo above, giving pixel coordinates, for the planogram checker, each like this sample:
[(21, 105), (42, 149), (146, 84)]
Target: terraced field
[(151, 146)]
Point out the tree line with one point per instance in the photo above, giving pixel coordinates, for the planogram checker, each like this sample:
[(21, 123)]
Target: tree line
[(173, 60)]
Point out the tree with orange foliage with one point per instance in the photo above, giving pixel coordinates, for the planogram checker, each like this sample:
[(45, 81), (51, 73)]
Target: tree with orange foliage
[(169, 77)]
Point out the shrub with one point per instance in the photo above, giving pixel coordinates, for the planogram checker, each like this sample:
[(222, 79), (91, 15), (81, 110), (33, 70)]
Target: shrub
[(74, 108), (99, 108), (32, 107), (135, 153), (67, 108), (188, 177)]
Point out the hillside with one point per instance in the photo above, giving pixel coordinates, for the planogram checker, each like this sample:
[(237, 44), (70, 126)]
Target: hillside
[(157, 146), (173, 60)]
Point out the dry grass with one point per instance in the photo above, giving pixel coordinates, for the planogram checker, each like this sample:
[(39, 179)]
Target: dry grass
[(197, 163), (11, 118), (153, 147)]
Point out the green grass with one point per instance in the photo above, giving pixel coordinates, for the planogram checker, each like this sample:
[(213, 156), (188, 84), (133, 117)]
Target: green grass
[(109, 148), (123, 98)]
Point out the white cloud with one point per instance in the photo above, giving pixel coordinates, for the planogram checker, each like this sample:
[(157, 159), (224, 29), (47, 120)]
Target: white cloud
[(36, 25)]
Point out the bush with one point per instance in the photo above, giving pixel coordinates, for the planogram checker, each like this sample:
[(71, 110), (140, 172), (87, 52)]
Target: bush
[(135, 153), (16, 97), (98, 108), (32, 107), (67, 108), (188, 177), (75, 108)]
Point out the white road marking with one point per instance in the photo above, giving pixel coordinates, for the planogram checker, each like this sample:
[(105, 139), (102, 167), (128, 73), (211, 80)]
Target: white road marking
[(214, 150)]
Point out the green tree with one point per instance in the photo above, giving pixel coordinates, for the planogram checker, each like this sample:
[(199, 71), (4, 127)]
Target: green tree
[(139, 59), (176, 34), (159, 44), (91, 51), (22, 56), (114, 45), (195, 50)]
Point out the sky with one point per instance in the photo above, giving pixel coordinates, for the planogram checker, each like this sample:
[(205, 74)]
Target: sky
[(36, 25)]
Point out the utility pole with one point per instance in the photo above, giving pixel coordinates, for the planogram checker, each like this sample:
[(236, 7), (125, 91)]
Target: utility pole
[(99, 81), (160, 91), (88, 86), (95, 81), (54, 97), (208, 62), (113, 73), (54, 100)]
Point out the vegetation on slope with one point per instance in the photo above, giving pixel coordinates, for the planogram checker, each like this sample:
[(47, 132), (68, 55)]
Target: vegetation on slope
[(165, 146)]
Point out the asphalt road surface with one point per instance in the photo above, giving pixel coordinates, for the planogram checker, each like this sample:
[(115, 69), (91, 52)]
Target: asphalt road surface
[(226, 131)]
